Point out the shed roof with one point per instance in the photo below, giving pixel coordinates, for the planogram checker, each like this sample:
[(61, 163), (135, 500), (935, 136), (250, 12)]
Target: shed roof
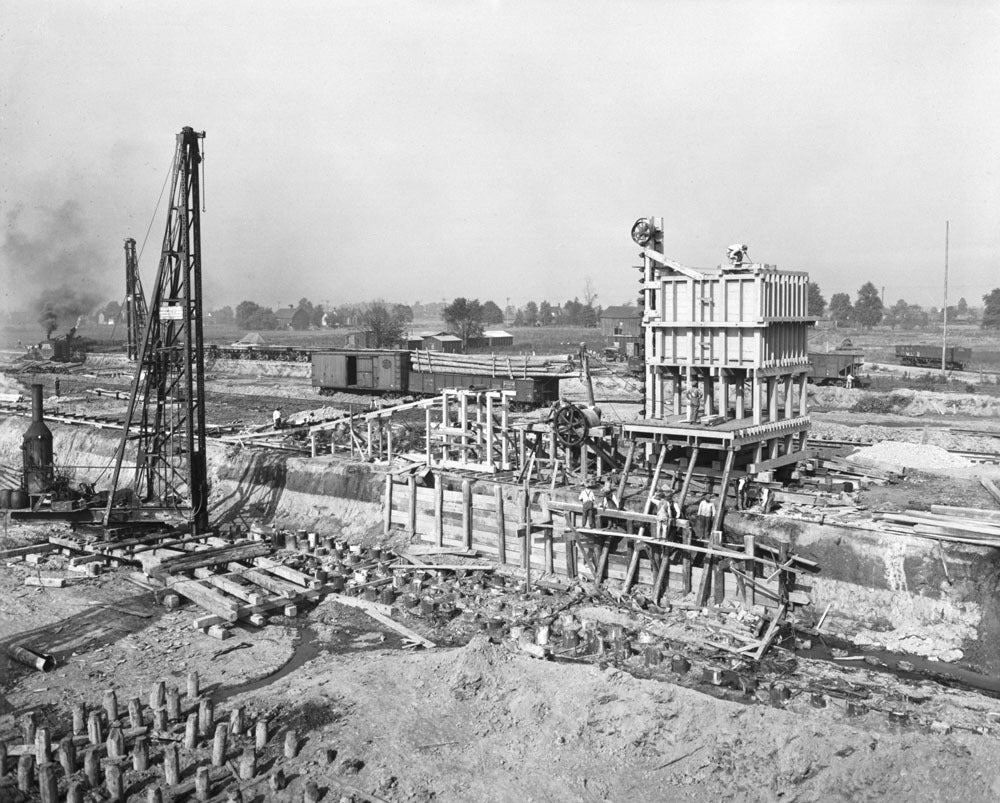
[(496, 333), (446, 338)]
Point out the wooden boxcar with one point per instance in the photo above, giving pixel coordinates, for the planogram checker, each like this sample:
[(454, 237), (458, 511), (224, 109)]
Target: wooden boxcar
[(833, 367), (371, 370), (956, 357)]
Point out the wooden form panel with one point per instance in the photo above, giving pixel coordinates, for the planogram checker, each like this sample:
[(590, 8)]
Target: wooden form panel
[(730, 298), (779, 344)]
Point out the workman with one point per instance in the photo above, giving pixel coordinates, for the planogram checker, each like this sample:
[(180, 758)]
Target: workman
[(704, 518), (588, 501), (667, 512), (276, 418), (742, 493), (849, 382)]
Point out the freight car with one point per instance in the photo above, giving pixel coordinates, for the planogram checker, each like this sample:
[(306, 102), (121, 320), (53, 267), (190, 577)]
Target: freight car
[(237, 351), (956, 357), (834, 367), (388, 371)]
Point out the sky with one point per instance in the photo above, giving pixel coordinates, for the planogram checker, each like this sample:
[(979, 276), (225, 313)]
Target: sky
[(419, 151)]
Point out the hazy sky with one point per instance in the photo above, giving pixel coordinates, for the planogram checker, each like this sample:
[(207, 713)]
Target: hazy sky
[(420, 151)]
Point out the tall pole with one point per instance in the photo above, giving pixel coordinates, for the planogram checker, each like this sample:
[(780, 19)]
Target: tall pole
[(944, 335)]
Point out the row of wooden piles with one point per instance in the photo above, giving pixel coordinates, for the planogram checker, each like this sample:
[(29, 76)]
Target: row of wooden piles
[(173, 746)]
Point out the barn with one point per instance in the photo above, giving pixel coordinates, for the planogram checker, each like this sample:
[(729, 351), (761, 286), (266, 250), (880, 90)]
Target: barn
[(622, 329)]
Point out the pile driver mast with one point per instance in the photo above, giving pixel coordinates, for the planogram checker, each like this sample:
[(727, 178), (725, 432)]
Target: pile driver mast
[(166, 411), (136, 313)]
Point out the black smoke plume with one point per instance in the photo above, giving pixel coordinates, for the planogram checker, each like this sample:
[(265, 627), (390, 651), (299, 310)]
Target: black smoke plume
[(54, 262)]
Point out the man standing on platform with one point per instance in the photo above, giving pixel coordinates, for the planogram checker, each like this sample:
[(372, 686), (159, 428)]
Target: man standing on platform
[(704, 518), (588, 502), (667, 512)]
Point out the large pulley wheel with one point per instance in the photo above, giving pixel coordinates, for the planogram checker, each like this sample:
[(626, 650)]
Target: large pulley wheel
[(571, 425)]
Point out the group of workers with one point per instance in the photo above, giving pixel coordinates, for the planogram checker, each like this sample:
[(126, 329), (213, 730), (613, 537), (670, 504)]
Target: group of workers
[(667, 510)]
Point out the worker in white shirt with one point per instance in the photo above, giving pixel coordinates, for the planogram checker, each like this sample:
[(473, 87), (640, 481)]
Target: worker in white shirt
[(704, 518), (588, 502), (276, 418)]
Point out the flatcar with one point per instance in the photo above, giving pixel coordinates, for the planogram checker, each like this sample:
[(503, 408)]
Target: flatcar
[(249, 352), (388, 371), (956, 357)]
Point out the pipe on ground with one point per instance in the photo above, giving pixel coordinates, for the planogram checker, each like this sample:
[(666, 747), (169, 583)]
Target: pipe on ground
[(41, 661)]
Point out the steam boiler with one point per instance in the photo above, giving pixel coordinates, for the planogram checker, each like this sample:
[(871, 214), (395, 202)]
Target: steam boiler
[(36, 448)]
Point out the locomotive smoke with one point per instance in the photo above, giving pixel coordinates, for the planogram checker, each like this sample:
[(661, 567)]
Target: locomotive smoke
[(54, 266)]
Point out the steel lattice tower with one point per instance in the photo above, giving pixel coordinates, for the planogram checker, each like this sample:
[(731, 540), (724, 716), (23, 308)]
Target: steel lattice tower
[(136, 313), (166, 411)]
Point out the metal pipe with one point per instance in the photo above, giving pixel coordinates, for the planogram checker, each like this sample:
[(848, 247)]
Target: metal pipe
[(41, 661)]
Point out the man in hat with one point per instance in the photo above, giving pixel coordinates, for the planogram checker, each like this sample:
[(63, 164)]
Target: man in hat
[(667, 512)]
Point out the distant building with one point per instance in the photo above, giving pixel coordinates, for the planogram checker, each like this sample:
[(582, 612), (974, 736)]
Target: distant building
[(442, 341), (491, 339), (292, 318), (622, 328), (361, 339)]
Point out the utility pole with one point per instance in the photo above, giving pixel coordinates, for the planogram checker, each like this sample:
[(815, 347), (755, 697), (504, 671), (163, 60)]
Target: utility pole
[(944, 336)]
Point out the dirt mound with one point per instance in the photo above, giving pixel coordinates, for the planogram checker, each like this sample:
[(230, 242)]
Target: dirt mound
[(923, 457), (477, 668)]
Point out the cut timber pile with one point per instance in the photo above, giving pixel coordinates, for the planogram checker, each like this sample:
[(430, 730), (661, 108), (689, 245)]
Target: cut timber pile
[(510, 366), (959, 525)]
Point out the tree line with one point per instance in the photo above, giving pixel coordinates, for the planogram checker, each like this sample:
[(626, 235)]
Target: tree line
[(868, 310)]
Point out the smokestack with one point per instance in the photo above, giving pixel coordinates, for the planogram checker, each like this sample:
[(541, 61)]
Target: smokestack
[(37, 448)]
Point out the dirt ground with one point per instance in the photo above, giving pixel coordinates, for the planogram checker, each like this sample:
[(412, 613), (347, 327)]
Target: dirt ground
[(484, 720)]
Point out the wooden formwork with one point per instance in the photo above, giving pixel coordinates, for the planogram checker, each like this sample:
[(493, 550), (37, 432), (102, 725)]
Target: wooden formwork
[(533, 530)]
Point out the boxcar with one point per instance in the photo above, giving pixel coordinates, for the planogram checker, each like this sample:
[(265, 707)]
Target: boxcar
[(365, 370), (956, 357), (833, 367)]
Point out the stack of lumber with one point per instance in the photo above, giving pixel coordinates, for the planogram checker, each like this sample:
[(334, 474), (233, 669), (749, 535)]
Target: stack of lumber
[(863, 472), (512, 366), (959, 525)]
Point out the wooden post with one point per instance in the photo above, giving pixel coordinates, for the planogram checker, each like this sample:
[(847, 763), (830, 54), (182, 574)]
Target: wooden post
[(782, 574), (25, 772), (48, 787), (43, 746), (686, 561), (219, 744), (388, 503), (260, 734), (67, 756), (193, 686), (206, 716), (388, 440), (171, 765), (79, 718), (173, 704), (438, 510), (140, 754), (718, 573), (467, 513), (687, 478), (750, 566), (95, 732), (427, 440), (629, 457), (92, 766), (191, 732), (157, 695), (113, 781), (501, 523), (411, 482), (291, 744), (248, 764), (135, 712), (202, 783), (29, 724)]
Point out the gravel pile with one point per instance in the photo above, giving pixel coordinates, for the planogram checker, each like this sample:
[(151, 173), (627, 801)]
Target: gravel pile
[(920, 456)]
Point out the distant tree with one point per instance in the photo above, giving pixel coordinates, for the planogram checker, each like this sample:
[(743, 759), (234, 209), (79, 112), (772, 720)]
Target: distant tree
[(841, 310), (492, 313), (302, 322), (530, 313), (223, 315), (244, 311), (588, 316), (572, 310), (868, 309), (589, 293), (991, 312), (316, 319), (465, 317), (963, 307), (545, 313), (403, 312), (519, 319), (386, 325), (816, 303), (906, 316)]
